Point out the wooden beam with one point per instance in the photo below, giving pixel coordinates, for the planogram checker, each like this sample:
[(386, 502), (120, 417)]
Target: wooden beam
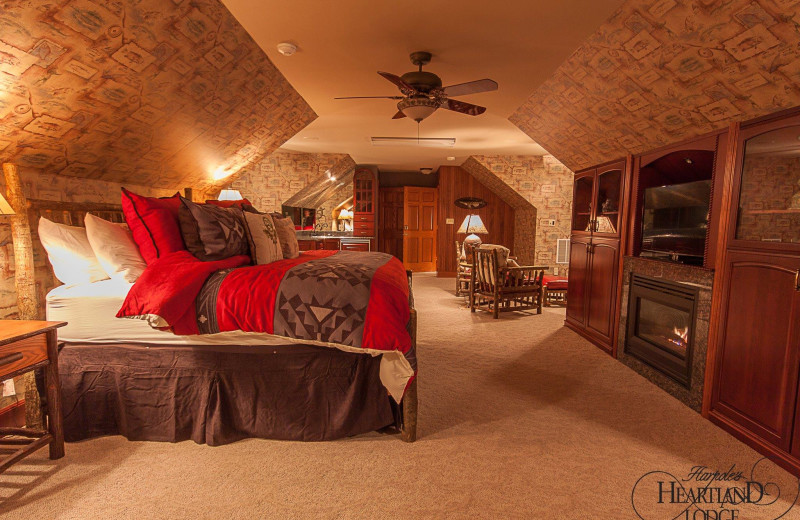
[(24, 279)]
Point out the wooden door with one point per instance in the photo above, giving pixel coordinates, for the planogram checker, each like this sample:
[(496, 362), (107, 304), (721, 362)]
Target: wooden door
[(601, 289), (578, 277), (757, 363), (390, 223), (419, 228)]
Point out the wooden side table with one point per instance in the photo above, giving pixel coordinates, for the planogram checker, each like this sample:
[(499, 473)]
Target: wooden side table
[(26, 346)]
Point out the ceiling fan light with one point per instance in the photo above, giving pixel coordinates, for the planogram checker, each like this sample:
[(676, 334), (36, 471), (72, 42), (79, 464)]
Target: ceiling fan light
[(417, 108)]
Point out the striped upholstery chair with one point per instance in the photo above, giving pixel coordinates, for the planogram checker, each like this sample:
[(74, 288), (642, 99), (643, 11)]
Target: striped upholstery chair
[(497, 287)]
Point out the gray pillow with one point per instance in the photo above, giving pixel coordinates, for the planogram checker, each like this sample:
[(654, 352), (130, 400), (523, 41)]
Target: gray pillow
[(211, 232), (286, 236), (264, 245)]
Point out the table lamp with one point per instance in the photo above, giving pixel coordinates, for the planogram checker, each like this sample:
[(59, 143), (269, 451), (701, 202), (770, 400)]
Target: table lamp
[(473, 225), (229, 194)]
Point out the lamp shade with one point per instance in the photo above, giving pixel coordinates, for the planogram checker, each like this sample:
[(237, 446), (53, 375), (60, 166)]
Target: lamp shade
[(228, 194), (473, 225), (5, 207)]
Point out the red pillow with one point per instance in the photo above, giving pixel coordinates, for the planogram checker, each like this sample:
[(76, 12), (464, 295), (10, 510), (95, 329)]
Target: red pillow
[(230, 203), (153, 223)]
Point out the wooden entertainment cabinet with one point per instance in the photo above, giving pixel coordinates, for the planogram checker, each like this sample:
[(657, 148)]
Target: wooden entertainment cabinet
[(752, 375)]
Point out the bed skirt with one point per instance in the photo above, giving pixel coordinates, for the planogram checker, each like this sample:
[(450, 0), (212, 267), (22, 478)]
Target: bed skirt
[(220, 394)]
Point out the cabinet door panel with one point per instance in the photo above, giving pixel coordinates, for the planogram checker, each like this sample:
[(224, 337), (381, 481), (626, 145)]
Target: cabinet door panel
[(756, 383), (602, 287), (578, 275)]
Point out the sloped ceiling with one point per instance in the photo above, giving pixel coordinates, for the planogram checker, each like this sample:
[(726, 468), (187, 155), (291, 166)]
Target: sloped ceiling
[(165, 93), (660, 71), (320, 189)]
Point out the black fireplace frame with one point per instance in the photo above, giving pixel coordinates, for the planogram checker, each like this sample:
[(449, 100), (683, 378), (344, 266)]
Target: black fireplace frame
[(676, 295)]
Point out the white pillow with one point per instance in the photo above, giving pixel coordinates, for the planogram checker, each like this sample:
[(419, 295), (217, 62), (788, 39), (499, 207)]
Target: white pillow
[(115, 249), (70, 253)]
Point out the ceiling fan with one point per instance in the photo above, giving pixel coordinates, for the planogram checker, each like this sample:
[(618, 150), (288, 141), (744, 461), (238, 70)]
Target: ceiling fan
[(423, 92)]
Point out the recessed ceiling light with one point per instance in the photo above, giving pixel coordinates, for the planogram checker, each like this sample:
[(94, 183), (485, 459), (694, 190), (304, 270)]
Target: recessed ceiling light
[(688, 160), (286, 48), (451, 158), (426, 142), (425, 171)]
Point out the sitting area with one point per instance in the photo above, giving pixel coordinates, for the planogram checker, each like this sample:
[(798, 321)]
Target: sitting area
[(498, 287)]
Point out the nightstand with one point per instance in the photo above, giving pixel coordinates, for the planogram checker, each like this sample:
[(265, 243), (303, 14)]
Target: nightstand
[(26, 346)]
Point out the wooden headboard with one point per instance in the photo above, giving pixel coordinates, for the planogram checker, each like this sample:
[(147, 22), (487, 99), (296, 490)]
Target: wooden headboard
[(71, 214)]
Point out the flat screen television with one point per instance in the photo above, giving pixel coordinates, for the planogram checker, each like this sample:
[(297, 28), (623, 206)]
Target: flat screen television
[(675, 220)]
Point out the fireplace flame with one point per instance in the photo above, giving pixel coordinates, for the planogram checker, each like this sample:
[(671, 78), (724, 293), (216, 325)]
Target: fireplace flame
[(683, 333)]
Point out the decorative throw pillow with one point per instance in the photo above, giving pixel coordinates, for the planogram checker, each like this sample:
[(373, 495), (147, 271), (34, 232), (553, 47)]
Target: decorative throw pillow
[(70, 253), (211, 232), (243, 204), (502, 253), (286, 236), (153, 223), (115, 249), (263, 239)]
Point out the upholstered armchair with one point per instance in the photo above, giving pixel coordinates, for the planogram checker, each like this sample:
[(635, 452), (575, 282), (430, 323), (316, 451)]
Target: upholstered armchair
[(497, 287)]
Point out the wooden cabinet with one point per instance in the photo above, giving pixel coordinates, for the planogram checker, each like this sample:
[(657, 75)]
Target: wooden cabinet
[(592, 290), (355, 246), (365, 198), (755, 346), (27, 346), (592, 300), (330, 244), (307, 245), (756, 383)]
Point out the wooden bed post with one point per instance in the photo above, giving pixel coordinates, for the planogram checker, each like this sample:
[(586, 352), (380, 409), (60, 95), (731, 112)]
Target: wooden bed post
[(24, 279), (409, 431)]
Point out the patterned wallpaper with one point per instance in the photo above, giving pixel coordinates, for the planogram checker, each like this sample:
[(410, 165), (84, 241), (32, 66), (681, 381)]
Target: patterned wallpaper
[(547, 185), (281, 175), (770, 205), (163, 93), (660, 71)]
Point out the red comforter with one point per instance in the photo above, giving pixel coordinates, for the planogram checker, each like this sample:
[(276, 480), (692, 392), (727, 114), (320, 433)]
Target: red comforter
[(354, 301)]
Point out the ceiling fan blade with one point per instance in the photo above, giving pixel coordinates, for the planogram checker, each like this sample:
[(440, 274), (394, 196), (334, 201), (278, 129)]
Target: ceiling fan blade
[(370, 97), (471, 87), (464, 108), (404, 87), (399, 115)]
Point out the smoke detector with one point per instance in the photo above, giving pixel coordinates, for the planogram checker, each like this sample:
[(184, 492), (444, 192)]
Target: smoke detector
[(286, 48)]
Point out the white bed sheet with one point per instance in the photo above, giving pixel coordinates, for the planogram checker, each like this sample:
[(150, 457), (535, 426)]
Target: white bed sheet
[(90, 312)]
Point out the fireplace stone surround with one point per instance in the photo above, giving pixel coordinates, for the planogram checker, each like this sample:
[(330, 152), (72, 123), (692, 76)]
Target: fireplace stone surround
[(695, 278)]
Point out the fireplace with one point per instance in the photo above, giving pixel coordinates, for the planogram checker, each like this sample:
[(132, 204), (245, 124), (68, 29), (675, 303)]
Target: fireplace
[(661, 317)]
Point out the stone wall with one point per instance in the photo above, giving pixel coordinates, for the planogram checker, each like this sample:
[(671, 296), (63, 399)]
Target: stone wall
[(544, 183)]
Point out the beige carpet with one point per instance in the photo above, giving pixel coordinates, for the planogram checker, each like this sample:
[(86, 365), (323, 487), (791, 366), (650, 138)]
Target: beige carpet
[(519, 418)]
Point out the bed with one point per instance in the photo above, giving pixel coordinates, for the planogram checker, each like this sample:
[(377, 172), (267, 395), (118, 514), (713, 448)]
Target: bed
[(124, 377)]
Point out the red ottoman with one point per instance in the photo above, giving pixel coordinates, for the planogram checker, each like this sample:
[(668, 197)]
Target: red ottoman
[(555, 290)]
